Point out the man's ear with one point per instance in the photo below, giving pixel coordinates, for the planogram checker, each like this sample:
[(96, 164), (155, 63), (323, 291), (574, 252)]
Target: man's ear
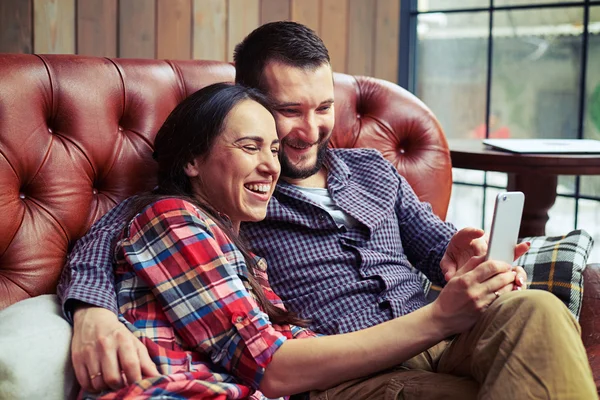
[(191, 169)]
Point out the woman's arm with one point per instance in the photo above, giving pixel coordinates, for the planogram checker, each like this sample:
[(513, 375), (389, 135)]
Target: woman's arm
[(322, 362)]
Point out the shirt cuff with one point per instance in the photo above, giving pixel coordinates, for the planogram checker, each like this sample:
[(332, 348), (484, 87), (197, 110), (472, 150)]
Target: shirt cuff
[(77, 294)]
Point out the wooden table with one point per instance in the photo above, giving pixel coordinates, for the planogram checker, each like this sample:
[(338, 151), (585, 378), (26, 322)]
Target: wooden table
[(536, 175)]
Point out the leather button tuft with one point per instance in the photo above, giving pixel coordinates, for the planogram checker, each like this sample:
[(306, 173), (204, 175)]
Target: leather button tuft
[(49, 130), (120, 129), (22, 196), (95, 191)]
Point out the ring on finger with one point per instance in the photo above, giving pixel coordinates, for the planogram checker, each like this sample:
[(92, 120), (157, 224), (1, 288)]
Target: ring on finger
[(93, 376), (497, 294)]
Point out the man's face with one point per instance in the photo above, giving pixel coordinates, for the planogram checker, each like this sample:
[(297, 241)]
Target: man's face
[(304, 115)]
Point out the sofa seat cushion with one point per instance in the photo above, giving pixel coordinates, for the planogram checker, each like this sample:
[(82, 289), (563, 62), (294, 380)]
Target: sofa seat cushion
[(35, 357)]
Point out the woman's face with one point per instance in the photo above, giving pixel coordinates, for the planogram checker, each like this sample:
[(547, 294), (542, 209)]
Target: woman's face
[(239, 175)]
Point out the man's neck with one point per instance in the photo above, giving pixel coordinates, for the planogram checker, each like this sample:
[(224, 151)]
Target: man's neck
[(318, 180)]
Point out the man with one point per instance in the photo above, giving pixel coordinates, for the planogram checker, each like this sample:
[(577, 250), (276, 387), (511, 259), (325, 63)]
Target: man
[(342, 231)]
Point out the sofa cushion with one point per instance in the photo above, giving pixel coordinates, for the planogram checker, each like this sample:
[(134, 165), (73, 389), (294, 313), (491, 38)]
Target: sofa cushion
[(556, 264), (35, 358)]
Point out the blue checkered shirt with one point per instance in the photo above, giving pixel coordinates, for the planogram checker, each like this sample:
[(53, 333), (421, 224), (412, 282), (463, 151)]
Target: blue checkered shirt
[(349, 279), (342, 279)]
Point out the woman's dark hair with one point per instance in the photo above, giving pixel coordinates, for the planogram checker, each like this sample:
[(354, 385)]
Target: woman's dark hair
[(288, 42), (190, 131)]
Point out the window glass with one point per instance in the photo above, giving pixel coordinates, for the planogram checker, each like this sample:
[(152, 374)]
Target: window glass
[(435, 5), (562, 216), (451, 69), (466, 205), (590, 185), (467, 176), (536, 67), (589, 219), (528, 2)]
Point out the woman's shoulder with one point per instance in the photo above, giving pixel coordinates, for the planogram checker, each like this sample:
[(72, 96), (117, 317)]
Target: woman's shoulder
[(174, 205), (169, 210)]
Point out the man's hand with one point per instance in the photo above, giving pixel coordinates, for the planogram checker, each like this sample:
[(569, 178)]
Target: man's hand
[(471, 242), (466, 243), (105, 353), (470, 292)]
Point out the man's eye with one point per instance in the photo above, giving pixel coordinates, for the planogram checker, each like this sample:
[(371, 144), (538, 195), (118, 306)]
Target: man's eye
[(324, 108), (275, 150), (288, 111)]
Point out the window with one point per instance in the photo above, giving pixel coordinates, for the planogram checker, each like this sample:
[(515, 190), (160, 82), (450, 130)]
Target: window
[(509, 68)]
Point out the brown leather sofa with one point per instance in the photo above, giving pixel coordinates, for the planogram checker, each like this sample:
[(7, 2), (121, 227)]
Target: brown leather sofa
[(76, 138)]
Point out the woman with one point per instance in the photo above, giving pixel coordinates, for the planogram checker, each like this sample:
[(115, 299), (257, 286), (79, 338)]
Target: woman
[(199, 300)]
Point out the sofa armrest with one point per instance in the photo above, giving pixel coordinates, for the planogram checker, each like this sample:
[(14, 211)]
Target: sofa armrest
[(590, 312)]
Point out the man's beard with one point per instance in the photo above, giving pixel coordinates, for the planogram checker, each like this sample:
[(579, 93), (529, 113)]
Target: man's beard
[(288, 170)]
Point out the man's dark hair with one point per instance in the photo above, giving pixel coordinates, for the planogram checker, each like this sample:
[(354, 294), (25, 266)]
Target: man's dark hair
[(288, 42)]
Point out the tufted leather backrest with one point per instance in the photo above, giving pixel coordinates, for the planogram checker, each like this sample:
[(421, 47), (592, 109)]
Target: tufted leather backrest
[(76, 138)]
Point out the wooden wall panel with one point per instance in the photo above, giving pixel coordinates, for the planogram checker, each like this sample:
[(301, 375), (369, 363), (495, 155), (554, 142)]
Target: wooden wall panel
[(137, 28), (307, 12), (243, 19), (274, 10), (16, 34), (97, 27), (174, 29), (361, 35), (361, 19), (54, 26), (334, 31), (210, 30), (387, 30)]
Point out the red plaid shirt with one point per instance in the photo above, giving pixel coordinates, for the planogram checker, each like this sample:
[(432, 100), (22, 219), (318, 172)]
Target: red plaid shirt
[(182, 290)]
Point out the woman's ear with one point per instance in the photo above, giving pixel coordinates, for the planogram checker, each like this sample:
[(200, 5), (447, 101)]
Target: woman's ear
[(191, 169)]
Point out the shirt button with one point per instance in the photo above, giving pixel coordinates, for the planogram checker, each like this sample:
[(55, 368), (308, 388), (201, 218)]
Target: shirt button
[(321, 217), (262, 265)]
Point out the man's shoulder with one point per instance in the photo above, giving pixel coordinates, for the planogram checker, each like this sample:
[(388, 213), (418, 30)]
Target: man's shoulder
[(358, 154), (364, 161)]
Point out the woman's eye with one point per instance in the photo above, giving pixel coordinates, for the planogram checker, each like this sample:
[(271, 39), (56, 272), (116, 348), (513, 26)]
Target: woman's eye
[(251, 148), (275, 150)]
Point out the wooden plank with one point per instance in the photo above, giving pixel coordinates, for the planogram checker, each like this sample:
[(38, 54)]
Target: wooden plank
[(210, 30), (361, 17), (137, 32), (243, 18), (16, 34), (97, 27), (274, 10), (307, 12), (387, 31), (334, 32), (54, 26), (174, 29)]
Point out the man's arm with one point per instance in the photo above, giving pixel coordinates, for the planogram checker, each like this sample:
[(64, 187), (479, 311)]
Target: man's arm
[(88, 274), (102, 346), (425, 236)]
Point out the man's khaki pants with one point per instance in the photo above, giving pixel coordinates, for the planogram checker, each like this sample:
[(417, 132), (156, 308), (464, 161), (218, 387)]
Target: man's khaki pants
[(526, 345)]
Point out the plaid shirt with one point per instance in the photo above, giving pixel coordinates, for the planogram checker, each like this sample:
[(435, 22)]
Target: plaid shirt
[(349, 279), (182, 290), (344, 280)]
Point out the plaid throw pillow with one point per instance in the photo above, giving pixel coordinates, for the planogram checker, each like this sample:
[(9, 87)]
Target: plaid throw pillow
[(553, 263), (556, 264)]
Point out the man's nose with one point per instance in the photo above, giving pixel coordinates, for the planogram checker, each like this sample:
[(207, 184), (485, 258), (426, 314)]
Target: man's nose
[(310, 129)]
